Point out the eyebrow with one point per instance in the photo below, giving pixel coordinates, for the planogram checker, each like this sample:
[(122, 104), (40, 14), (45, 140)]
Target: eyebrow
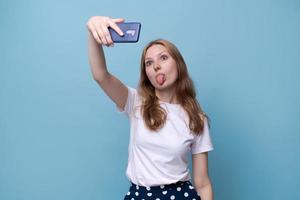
[(158, 54)]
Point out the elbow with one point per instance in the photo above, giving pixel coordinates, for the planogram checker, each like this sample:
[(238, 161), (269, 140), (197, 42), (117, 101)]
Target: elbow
[(202, 182), (101, 78), (97, 79)]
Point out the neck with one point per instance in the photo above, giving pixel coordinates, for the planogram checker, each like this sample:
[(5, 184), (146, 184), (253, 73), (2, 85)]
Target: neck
[(166, 96)]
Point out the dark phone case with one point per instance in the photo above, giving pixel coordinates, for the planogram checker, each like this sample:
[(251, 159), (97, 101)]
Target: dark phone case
[(131, 32)]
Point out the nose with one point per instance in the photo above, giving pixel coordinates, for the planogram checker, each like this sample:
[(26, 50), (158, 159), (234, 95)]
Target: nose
[(156, 67)]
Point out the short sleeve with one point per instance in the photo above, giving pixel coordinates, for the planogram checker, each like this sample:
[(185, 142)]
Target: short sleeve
[(130, 102), (202, 143)]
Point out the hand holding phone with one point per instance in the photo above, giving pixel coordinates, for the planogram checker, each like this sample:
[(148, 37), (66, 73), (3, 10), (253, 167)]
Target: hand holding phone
[(131, 32)]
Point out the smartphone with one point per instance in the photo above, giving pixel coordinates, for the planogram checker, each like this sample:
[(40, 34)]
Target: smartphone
[(131, 32)]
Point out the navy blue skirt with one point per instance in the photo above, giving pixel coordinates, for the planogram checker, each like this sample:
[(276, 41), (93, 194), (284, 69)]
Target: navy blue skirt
[(182, 190)]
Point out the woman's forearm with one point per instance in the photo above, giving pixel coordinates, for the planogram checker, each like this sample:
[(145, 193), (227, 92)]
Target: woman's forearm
[(96, 58)]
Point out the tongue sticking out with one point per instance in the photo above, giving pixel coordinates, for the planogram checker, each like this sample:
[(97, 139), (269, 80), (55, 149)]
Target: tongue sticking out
[(160, 79)]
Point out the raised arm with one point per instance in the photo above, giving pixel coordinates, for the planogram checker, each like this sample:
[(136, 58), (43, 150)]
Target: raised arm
[(98, 35)]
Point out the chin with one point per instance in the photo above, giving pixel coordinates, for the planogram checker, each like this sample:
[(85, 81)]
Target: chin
[(166, 85), (162, 87)]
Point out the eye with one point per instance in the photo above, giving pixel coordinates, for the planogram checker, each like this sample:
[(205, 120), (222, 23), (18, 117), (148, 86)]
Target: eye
[(148, 63), (164, 57)]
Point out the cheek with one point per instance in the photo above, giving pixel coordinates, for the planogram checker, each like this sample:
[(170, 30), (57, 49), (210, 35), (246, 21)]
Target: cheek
[(173, 71), (174, 75), (148, 74)]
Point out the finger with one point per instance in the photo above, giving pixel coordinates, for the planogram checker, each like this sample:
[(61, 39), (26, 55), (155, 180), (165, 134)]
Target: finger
[(96, 37), (116, 28), (102, 36), (107, 35), (95, 34), (118, 20)]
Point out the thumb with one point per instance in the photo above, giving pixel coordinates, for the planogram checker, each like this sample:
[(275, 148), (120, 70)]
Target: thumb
[(118, 20)]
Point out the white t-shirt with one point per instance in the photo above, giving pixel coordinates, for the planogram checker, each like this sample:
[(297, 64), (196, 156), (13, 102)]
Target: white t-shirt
[(158, 158)]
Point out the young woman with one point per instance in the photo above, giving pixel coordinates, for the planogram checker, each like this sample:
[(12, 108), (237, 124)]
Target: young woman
[(166, 120)]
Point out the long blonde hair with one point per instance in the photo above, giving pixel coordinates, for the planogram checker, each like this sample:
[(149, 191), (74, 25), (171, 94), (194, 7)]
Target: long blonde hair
[(153, 114)]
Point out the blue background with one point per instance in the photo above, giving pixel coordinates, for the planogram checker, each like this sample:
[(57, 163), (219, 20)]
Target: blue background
[(61, 137)]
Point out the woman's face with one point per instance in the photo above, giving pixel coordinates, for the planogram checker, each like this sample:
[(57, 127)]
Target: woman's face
[(160, 67)]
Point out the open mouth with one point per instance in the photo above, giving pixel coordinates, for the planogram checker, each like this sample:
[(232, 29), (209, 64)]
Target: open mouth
[(160, 78)]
